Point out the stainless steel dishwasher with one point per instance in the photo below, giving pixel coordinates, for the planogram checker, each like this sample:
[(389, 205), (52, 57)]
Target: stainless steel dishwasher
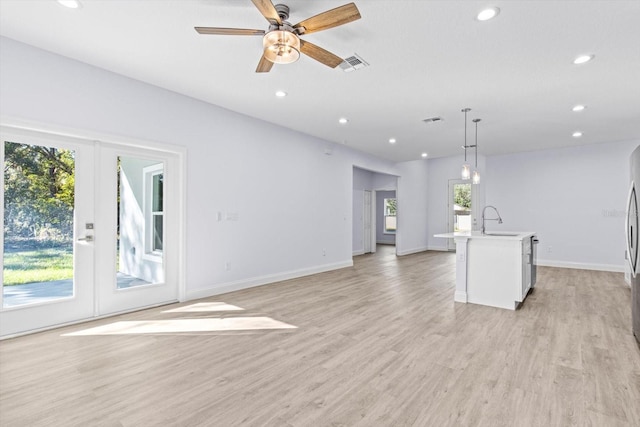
[(532, 260)]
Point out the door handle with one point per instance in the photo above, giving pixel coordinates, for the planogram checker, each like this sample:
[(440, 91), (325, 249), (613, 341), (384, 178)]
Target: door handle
[(85, 239), (632, 259)]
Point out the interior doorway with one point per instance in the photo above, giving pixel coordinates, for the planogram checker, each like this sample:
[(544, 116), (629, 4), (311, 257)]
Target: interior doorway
[(386, 217), (367, 209)]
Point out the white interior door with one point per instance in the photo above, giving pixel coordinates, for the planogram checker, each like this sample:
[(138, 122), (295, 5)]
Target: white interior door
[(137, 228), (47, 252), (366, 214)]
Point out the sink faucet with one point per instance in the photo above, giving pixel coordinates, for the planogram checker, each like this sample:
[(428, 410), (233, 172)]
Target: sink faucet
[(499, 219)]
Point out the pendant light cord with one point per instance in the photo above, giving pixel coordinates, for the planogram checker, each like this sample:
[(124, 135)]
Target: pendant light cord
[(465, 110), (477, 143)]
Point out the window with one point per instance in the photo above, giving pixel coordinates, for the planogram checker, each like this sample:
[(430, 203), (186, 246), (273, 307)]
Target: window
[(390, 209), (157, 213), (154, 209)]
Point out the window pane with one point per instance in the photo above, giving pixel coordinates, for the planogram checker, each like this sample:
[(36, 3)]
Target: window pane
[(157, 193), (389, 223), (157, 232), (390, 206)]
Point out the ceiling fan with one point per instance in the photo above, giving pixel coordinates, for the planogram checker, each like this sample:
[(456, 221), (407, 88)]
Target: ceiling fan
[(281, 42)]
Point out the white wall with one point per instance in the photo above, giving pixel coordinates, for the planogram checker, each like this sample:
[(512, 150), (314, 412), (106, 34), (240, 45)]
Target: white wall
[(412, 195), (574, 198), (235, 164)]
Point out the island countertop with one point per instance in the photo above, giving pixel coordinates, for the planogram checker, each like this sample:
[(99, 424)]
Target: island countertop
[(504, 235)]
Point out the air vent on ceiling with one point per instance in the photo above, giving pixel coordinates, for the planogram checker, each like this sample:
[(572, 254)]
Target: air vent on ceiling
[(353, 63), (433, 119)]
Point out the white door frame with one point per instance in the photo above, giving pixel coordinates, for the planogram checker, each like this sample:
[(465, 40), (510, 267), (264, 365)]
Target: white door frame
[(367, 214)]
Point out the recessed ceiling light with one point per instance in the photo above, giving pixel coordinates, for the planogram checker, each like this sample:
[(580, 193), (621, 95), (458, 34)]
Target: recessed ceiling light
[(578, 107), (424, 155), (488, 13), (583, 59), (281, 94), (343, 120), (392, 141), (71, 4), (576, 134)]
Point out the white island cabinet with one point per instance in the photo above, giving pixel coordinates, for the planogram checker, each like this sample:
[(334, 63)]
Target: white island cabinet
[(493, 269)]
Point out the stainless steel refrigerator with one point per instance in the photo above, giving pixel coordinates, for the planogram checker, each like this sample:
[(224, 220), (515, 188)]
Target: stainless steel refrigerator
[(633, 252)]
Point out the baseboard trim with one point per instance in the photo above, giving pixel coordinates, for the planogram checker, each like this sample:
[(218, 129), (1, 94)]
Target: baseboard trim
[(356, 253), (460, 296), (439, 248), (264, 280), (411, 251), (581, 266)]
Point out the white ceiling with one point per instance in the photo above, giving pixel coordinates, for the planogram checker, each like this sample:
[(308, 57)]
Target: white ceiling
[(427, 58)]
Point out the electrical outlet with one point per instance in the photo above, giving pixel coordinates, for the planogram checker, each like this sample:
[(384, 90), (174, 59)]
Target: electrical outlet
[(227, 266), (549, 249), (324, 252)]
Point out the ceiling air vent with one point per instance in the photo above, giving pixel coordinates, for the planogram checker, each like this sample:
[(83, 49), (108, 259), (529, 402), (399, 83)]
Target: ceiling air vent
[(353, 63)]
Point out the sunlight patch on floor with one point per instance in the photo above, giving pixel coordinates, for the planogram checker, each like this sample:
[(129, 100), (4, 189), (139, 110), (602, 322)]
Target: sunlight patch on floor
[(205, 307), (184, 325)]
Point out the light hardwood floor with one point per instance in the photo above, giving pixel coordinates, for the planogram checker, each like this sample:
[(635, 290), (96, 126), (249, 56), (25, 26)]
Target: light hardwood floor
[(380, 344)]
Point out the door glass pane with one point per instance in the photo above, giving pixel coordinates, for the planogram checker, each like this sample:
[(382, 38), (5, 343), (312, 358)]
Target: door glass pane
[(39, 196), (462, 207), (140, 234)]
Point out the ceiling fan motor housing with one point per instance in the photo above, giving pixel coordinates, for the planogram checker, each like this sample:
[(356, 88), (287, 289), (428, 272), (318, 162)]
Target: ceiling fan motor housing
[(283, 11)]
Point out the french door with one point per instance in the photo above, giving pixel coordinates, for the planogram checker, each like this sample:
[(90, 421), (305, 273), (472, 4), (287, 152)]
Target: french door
[(90, 229), (136, 221)]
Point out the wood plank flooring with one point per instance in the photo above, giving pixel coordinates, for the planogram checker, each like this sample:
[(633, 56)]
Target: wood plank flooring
[(379, 344)]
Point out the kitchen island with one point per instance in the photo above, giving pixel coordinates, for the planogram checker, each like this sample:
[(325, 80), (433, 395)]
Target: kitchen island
[(495, 269)]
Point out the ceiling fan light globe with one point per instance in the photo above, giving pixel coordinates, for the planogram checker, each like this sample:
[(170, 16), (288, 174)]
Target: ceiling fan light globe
[(281, 47)]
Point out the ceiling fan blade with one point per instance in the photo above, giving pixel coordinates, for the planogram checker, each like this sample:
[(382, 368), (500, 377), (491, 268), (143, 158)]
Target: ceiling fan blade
[(329, 19), (229, 31), (268, 10), (264, 66), (320, 54)]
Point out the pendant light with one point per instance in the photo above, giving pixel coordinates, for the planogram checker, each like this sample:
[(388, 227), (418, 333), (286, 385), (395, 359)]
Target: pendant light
[(476, 173), (466, 169)]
